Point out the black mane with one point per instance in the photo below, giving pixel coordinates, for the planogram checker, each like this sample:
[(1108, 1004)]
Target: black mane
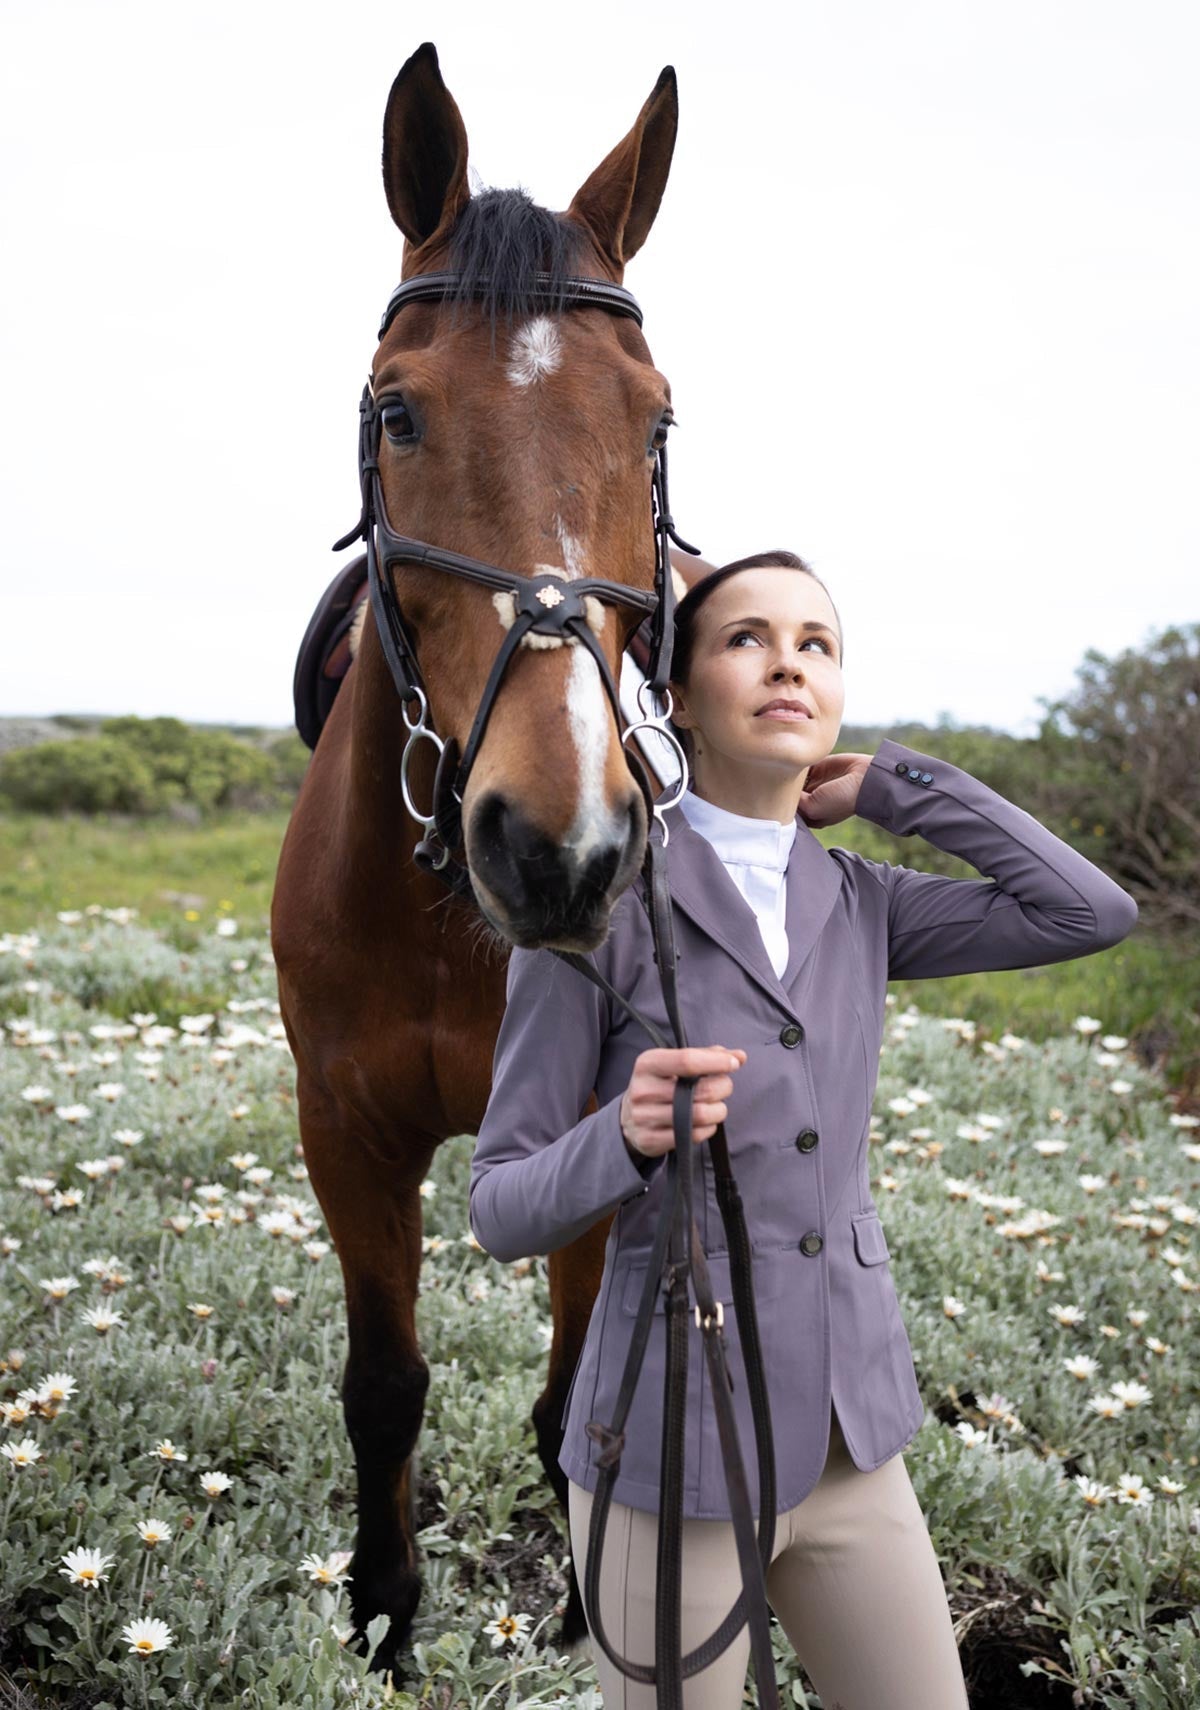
[(501, 242)]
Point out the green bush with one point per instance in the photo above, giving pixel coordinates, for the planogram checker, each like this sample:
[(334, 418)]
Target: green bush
[(82, 774), (152, 765)]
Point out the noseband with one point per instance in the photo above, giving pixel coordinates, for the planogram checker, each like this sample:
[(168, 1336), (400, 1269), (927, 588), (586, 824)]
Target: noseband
[(544, 605), (555, 607)]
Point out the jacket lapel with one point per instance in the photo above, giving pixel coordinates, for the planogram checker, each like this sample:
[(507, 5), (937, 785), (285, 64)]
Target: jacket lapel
[(706, 893)]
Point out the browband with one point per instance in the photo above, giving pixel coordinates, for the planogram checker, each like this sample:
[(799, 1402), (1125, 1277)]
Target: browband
[(545, 293)]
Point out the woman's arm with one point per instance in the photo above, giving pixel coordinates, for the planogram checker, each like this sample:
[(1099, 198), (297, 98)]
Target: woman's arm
[(540, 1176), (1042, 901)]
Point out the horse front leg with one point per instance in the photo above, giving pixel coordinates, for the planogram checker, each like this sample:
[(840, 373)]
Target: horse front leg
[(575, 1273), (372, 1207)]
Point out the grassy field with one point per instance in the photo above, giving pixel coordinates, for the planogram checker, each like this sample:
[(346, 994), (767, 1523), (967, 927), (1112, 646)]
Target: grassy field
[(151, 1166), (176, 874)]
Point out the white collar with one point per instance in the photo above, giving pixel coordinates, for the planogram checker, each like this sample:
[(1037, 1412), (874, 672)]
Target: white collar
[(737, 837)]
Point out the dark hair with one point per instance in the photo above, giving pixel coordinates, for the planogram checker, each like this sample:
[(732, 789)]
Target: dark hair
[(502, 241), (686, 609)]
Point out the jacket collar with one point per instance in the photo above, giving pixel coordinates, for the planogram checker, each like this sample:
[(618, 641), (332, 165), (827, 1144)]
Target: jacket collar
[(706, 893)]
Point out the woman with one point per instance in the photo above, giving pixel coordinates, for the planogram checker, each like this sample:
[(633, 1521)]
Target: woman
[(785, 951)]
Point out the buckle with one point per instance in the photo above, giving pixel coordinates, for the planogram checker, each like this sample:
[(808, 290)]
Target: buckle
[(718, 1320)]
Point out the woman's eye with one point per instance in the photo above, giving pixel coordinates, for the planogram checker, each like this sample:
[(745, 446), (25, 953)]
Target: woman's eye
[(666, 422), (397, 423), (809, 641)]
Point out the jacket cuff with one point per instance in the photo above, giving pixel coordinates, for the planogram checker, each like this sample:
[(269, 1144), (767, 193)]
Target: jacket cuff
[(878, 794)]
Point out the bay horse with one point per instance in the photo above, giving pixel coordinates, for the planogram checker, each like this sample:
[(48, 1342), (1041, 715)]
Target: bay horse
[(527, 441)]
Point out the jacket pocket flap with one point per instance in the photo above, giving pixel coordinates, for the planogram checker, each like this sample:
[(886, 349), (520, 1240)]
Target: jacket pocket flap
[(766, 1278), (870, 1243)]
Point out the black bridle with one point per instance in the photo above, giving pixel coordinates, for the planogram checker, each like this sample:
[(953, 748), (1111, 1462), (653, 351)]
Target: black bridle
[(553, 605), (544, 605)]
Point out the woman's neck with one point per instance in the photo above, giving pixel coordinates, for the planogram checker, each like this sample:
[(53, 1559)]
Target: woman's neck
[(744, 790)]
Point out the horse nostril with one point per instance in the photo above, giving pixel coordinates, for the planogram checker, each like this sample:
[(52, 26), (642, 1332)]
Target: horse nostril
[(601, 870)]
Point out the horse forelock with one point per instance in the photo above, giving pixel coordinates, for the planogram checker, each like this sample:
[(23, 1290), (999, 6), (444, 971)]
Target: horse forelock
[(502, 242)]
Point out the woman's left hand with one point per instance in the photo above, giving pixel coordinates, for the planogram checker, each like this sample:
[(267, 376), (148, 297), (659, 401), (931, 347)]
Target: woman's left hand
[(831, 789)]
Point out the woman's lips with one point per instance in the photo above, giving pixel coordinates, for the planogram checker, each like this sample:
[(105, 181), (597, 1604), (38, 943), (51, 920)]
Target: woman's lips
[(790, 715)]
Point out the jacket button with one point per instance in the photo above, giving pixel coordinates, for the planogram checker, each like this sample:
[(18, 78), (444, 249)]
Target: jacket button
[(914, 773), (791, 1034), (902, 767), (927, 777), (807, 1140), (812, 1243)]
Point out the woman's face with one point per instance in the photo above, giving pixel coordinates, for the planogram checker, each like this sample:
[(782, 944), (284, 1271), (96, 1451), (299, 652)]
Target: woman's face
[(764, 637)]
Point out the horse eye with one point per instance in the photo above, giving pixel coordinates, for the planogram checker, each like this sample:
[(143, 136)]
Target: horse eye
[(666, 421), (397, 423)]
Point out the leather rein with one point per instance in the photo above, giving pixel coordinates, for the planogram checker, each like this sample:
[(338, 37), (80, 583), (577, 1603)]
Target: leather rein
[(551, 605)]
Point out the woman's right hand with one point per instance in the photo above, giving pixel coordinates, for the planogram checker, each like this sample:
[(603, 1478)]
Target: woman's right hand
[(647, 1113)]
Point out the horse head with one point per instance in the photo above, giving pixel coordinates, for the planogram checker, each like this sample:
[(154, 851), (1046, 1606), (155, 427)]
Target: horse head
[(525, 436)]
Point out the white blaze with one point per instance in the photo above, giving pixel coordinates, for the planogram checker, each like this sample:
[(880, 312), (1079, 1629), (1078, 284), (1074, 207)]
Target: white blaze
[(590, 719), (536, 351)]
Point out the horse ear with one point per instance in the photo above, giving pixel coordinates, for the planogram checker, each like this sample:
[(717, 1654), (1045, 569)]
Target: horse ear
[(620, 199), (424, 150)]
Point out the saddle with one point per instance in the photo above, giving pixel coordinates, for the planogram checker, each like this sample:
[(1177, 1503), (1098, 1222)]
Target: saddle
[(325, 659)]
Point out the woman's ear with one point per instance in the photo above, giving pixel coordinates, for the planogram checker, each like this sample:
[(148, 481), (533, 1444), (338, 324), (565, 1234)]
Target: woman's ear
[(679, 711)]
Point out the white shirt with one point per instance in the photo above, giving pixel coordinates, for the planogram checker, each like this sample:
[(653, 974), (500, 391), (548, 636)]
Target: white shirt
[(754, 852)]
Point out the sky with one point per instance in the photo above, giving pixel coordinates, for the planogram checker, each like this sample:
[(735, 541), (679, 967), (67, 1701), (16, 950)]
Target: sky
[(924, 281)]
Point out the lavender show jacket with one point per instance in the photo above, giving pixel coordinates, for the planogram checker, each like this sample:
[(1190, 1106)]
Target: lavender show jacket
[(799, 1112)]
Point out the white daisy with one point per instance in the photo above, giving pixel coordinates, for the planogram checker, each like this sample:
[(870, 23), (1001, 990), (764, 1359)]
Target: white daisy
[(1081, 1366), (506, 1628), (148, 1636), (86, 1567), (1094, 1494), (214, 1483), (166, 1451), (22, 1454), (153, 1532), (1131, 1394), (1068, 1315), (56, 1389), (328, 1570)]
